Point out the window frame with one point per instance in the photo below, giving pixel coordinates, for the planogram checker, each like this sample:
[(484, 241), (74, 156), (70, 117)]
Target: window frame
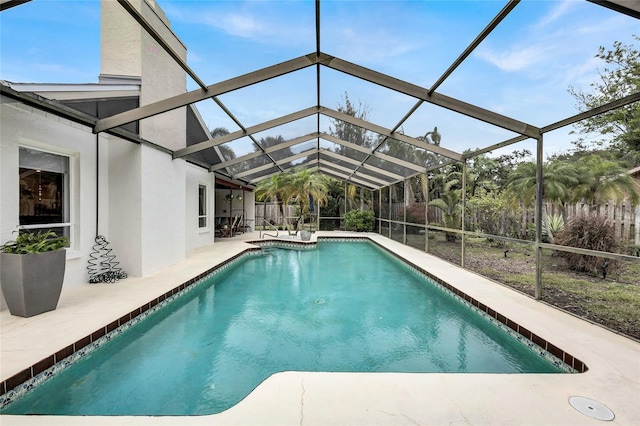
[(203, 205), (68, 179)]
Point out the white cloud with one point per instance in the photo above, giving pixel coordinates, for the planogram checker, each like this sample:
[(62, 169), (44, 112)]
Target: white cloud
[(515, 59), (242, 25), (250, 21), (556, 13), (374, 46)]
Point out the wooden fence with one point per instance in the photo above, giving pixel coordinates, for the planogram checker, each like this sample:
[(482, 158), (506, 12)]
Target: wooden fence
[(273, 213), (624, 218)]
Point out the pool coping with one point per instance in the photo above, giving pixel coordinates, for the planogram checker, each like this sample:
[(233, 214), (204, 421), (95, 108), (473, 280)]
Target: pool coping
[(26, 379), (102, 331)]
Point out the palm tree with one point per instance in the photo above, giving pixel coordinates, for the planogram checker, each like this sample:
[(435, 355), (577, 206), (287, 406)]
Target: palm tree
[(272, 189), (300, 185), (608, 182), (449, 203), (559, 181), (306, 186)]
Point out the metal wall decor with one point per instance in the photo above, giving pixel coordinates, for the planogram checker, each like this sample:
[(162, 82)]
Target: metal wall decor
[(103, 267)]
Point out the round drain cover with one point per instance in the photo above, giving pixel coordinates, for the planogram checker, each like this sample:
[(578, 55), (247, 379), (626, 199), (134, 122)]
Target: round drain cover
[(591, 408)]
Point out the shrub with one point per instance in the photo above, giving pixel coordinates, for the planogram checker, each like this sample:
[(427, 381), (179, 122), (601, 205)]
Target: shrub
[(588, 232), (491, 214), (359, 220)]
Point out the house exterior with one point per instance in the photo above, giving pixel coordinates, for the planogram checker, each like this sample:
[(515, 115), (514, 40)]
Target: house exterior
[(57, 174)]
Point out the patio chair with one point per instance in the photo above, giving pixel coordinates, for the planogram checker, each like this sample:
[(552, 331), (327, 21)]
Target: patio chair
[(295, 226), (236, 226)]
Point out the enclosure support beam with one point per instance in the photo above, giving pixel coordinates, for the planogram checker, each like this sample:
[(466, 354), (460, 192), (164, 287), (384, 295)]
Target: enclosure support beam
[(426, 214), (148, 27), (404, 212), (464, 210), (538, 218), (390, 206), (434, 98), (198, 95), (379, 211)]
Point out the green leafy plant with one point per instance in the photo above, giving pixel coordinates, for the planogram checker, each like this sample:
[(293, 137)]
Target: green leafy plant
[(361, 221), (552, 225), (30, 243), (451, 206)]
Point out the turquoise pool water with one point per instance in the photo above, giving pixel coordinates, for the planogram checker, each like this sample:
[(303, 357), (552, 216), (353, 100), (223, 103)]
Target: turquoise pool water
[(344, 306)]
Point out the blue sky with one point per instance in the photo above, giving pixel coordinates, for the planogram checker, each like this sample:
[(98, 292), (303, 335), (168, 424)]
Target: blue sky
[(522, 70)]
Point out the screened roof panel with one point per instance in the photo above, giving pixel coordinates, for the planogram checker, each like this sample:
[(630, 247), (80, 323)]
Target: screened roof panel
[(256, 177), (397, 170), (457, 132), (272, 98), (287, 131), (336, 158), (258, 70), (378, 173), (251, 164), (310, 160), (355, 179), (342, 150), (379, 104), (305, 146), (240, 37), (536, 54), (282, 153), (383, 36), (406, 152), (238, 148), (214, 116)]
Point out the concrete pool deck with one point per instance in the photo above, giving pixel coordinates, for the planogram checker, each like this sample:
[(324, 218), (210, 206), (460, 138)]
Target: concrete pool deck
[(613, 378)]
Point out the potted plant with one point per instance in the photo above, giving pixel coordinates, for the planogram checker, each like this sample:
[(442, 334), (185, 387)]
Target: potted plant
[(32, 272)]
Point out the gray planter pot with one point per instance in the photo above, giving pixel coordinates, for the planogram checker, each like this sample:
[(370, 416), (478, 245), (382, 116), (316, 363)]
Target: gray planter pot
[(32, 283), (305, 235)]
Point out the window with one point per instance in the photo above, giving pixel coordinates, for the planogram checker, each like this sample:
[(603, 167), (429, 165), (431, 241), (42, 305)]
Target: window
[(44, 191), (203, 219)]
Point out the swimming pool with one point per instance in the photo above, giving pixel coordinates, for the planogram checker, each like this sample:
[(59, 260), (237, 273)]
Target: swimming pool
[(341, 307)]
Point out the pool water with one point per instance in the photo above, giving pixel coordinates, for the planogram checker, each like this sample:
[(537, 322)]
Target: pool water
[(343, 306)]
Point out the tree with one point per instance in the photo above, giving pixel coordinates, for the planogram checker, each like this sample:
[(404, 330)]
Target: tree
[(608, 181), (559, 182), (482, 172), (620, 127), (307, 186), (350, 132), (225, 152), (302, 186), (273, 189)]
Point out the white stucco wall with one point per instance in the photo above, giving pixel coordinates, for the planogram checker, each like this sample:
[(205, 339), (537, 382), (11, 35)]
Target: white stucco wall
[(163, 211), (124, 231), (148, 202), (120, 37), (24, 126), (138, 197)]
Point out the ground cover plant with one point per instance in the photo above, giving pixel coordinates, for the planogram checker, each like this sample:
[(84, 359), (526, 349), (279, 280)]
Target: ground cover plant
[(613, 302)]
